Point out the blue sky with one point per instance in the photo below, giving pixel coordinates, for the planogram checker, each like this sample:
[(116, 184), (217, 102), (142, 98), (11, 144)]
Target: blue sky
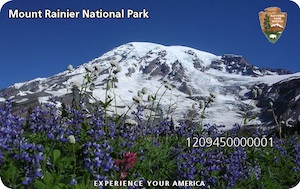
[(32, 48)]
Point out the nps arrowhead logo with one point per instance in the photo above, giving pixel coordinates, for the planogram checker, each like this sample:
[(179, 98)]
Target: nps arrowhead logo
[(272, 23)]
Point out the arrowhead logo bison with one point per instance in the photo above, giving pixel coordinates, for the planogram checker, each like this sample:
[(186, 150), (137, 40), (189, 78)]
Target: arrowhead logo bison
[(272, 23)]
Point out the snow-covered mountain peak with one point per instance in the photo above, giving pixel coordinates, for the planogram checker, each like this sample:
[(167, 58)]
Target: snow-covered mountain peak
[(192, 73)]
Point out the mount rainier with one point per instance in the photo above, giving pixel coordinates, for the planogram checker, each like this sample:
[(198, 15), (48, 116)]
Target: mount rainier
[(241, 89)]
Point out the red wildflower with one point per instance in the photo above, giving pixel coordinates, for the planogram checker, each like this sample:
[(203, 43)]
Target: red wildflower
[(117, 162), (129, 158), (128, 161)]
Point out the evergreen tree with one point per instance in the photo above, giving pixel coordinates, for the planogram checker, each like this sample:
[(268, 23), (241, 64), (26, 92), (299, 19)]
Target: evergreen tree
[(267, 24)]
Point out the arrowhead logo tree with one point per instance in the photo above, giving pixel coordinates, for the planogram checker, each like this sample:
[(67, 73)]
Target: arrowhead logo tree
[(272, 23)]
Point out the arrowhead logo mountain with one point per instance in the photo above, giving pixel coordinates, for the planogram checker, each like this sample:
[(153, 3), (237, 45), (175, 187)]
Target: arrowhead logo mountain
[(272, 23)]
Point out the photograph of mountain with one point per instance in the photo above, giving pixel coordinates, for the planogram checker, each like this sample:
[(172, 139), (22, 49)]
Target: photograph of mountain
[(143, 94)]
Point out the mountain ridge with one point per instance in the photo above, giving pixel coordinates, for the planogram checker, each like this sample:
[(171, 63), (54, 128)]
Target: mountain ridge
[(188, 70)]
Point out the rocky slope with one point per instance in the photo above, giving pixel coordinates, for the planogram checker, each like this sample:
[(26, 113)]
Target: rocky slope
[(240, 88)]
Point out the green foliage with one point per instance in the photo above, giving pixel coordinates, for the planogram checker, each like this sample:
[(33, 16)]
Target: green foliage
[(50, 181), (157, 163), (267, 25)]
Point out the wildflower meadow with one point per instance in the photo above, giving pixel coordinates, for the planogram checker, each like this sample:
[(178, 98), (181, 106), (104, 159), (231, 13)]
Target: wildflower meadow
[(81, 145)]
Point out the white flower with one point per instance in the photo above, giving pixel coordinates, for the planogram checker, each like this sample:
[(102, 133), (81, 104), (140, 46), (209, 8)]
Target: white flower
[(211, 98), (131, 122), (70, 68), (201, 104), (75, 85), (193, 106), (165, 80), (271, 103), (109, 84), (213, 95), (118, 69), (144, 90), (71, 139), (137, 99)]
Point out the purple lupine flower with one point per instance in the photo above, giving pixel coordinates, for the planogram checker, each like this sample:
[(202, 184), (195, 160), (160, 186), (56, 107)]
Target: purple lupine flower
[(279, 144), (27, 181), (73, 182), (97, 158), (294, 141)]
